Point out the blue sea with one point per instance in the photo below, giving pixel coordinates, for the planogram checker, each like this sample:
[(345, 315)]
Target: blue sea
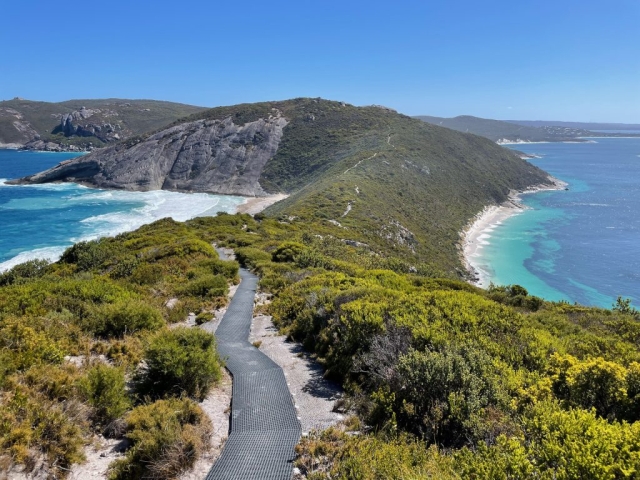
[(41, 221), (580, 245)]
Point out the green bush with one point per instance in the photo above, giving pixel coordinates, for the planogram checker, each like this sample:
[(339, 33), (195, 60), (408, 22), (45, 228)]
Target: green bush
[(443, 395), (251, 257), (31, 269), (167, 437), (334, 454), (147, 274), (228, 269), (117, 319), (180, 361), (207, 286), (203, 317), (89, 255), (104, 387), (31, 424), (287, 252), (26, 346), (563, 445)]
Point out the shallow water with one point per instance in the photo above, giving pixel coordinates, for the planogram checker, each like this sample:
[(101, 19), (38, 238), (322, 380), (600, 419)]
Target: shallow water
[(581, 245)]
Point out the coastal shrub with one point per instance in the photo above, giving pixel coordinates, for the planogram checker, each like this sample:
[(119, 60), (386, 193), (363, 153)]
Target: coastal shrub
[(27, 270), (117, 319), (228, 269), (207, 286), (251, 257), (54, 382), (608, 387), (442, 396), (26, 346), (514, 295), (32, 425), (89, 255), (558, 444), (287, 252), (203, 317), (104, 388), (333, 453), (124, 352), (167, 437), (182, 361), (147, 274)]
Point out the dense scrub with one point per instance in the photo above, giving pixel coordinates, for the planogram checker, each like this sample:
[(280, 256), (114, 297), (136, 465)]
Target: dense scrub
[(445, 380), (75, 334), (449, 381)]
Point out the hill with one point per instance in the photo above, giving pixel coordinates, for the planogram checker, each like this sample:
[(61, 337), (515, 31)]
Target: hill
[(504, 132), (442, 379), (581, 125), (387, 179), (82, 124)]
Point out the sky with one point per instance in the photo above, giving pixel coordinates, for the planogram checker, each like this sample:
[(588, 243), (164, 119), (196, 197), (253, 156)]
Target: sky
[(534, 60)]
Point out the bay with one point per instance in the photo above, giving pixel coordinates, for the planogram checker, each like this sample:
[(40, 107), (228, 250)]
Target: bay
[(580, 245), (41, 221)]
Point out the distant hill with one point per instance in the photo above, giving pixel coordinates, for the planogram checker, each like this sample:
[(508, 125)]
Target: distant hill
[(82, 124), (389, 180), (503, 132), (581, 125)]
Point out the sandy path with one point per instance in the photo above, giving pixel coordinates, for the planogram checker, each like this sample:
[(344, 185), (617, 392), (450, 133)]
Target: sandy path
[(313, 395), (217, 407)]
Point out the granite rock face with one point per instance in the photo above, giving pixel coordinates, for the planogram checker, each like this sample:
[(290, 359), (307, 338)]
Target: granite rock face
[(215, 156), (72, 124)]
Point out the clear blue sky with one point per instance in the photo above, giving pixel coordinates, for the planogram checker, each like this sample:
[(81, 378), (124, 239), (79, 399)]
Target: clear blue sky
[(544, 59)]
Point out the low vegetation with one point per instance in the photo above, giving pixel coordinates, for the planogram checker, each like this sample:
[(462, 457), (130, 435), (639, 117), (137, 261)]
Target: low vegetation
[(167, 437), (86, 349), (443, 380), (446, 380)]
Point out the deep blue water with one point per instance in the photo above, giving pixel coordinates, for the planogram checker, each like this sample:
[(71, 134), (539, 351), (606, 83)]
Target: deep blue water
[(581, 245), (40, 221)]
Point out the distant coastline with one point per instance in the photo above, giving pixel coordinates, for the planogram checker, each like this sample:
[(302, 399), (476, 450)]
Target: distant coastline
[(475, 235)]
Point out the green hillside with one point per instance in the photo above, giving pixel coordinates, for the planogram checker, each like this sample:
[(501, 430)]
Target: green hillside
[(406, 184), (23, 120)]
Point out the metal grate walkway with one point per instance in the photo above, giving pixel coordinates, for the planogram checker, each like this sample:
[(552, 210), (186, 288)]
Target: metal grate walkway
[(264, 424)]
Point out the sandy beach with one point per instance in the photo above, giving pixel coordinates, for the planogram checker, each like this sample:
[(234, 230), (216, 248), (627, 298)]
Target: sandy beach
[(255, 205), (478, 233)]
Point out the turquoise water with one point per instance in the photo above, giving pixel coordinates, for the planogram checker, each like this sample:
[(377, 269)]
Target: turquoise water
[(41, 221), (581, 245)]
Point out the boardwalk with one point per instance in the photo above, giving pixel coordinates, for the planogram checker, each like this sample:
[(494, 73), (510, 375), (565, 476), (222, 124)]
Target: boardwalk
[(264, 424)]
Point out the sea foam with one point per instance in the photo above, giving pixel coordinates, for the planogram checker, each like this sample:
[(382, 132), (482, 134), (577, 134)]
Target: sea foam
[(133, 209)]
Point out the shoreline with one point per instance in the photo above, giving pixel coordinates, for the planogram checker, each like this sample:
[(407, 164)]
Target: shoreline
[(253, 205), (476, 234)]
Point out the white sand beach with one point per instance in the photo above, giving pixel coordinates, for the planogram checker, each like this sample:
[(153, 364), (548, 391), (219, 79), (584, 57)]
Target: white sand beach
[(255, 205), (478, 233)]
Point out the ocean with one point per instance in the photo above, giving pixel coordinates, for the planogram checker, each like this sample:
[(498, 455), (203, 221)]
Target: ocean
[(41, 221), (580, 245)]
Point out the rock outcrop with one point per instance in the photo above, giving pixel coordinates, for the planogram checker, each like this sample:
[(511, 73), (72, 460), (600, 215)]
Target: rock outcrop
[(73, 124), (215, 156)]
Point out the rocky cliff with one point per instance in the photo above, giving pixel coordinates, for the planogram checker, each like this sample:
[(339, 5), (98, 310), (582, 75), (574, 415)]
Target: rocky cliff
[(215, 156)]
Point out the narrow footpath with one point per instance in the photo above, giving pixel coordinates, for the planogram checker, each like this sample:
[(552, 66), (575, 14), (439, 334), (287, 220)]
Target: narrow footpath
[(264, 427)]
